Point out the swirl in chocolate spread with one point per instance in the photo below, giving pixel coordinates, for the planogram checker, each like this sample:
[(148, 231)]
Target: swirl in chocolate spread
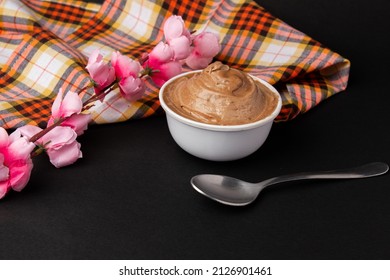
[(220, 95)]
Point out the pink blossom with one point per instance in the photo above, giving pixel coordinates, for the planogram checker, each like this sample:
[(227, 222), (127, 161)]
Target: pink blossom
[(162, 53), (181, 47), (132, 88), (174, 28), (127, 71), (177, 37), (206, 44), (69, 107), (160, 64), (165, 72), (103, 74), (205, 47), (196, 62), (59, 143), (124, 66), (15, 161)]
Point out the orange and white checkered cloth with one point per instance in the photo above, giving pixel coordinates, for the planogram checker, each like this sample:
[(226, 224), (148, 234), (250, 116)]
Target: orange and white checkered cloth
[(44, 46)]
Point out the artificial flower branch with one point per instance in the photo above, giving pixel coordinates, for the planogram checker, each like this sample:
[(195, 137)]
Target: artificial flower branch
[(69, 114), (86, 106)]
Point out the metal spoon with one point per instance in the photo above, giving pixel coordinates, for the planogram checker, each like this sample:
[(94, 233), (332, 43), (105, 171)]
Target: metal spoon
[(232, 191)]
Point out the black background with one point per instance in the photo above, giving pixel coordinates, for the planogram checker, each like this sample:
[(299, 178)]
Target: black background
[(130, 197)]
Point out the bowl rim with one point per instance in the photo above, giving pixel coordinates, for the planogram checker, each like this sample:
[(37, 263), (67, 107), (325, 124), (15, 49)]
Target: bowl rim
[(215, 127)]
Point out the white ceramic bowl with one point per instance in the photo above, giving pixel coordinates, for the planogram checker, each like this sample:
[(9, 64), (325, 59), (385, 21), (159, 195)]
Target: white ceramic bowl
[(218, 142)]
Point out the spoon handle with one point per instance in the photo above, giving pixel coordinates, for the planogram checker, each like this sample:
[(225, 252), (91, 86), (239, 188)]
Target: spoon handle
[(363, 171)]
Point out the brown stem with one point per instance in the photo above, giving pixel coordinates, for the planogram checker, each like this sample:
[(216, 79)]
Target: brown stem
[(37, 151), (46, 130), (86, 105), (86, 87), (95, 97)]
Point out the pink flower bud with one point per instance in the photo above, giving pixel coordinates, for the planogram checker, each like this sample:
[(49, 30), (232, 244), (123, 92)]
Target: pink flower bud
[(59, 143), (132, 88), (162, 72), (205, 47), (206, 44), (194, 61), (69, 107), (174, 27), (181, 47), (162, 53), (160, 64), (62, 147), (124, 66), (101, 73), (127, 71)]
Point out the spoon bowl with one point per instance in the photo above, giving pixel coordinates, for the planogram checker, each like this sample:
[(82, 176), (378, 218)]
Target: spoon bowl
[(225, 189), (235, 192)]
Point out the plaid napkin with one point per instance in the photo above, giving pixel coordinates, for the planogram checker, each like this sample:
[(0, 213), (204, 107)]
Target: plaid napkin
[(44, 46)]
